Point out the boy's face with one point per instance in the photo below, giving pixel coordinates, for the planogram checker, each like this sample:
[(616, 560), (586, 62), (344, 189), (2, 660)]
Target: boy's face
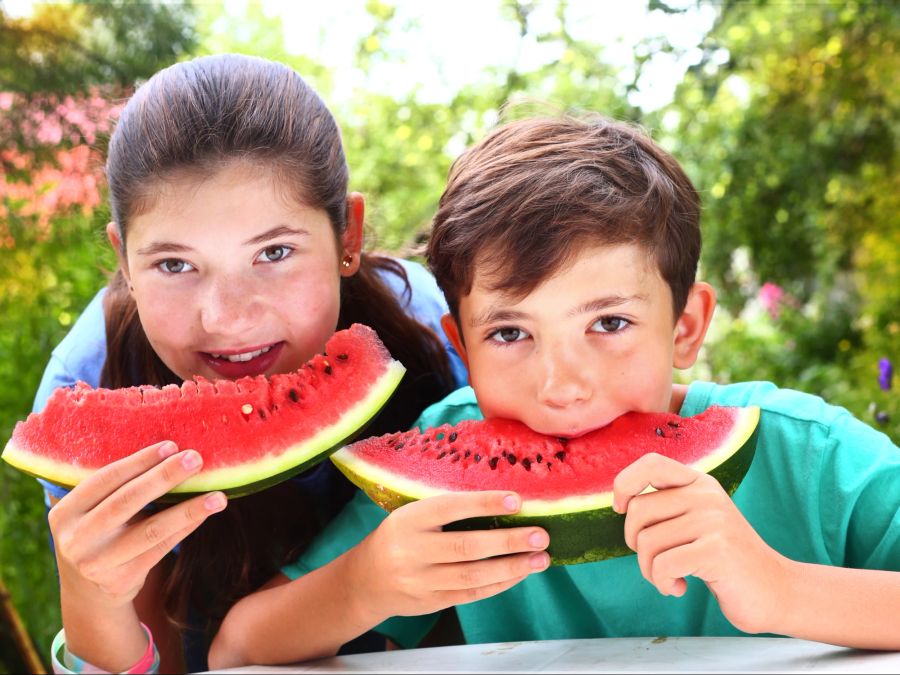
[(594, 341)]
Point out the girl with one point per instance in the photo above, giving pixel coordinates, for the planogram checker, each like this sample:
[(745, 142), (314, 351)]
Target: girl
[(240, 253)]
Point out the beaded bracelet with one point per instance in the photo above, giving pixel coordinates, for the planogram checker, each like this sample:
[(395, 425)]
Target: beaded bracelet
[(70, 664)]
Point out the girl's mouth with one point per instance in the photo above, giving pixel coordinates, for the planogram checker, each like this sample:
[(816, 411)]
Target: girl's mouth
[(234, 364)]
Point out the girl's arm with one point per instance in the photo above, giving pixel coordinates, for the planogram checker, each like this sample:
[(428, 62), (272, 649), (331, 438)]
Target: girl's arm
[(107, 549), (408, 566)]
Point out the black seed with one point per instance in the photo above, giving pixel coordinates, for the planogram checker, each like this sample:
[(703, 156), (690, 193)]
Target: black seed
[(467, 453), (563, 441), (342, 357), (549, 464), (527, 464), (672, 424), (441, 454), (399, 446), (427, 439), (659, 432), (511, 458), (294, 396), (452, 437), (327, 369), (455, 458), (504, 453), (539, 458), (494, 461), (453, 451), (262, 413), (477, 458), (561, 455)]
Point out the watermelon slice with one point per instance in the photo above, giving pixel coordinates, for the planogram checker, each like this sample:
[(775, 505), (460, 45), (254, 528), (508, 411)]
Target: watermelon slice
[(252, 432), (565, 484)]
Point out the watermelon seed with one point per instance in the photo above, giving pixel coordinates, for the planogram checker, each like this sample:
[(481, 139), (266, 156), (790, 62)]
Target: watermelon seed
[(494, 461), (540, 458), (527, 464), (262, 414), (511, 458), (293, 395), (399, 446), (455, 458), (477, 458), (672, 424), (562, 441), (246, 410), (441, 454), (561, 455), (453, 451), (327, 367), (452, 437), (342, 357), (467, 453), (549, 464), (659, 432)]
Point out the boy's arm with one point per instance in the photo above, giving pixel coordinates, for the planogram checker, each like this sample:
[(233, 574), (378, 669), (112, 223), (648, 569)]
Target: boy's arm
[(407, 566)]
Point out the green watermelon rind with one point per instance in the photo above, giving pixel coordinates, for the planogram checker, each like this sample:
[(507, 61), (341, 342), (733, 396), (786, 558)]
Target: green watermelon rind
[(240, 479), (582, 528)]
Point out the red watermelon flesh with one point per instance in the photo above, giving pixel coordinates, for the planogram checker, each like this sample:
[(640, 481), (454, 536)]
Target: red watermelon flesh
[(251, 432)]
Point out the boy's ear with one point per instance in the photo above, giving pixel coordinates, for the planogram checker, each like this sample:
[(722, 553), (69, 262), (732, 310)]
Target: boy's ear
[(352, 239), (112, 234), (691, 327), (448, 323)]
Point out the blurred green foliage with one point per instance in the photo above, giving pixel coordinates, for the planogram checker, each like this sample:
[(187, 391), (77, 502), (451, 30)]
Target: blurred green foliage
[(788, 124)]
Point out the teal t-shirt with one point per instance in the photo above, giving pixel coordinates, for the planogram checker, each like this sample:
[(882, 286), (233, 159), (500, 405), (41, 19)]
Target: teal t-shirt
[(823, 488)]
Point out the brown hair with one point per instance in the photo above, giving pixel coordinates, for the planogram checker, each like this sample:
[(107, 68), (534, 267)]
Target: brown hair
[(194, 117), (534, 192)]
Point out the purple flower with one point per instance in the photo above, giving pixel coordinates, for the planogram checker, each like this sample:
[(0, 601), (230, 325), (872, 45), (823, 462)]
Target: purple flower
[(885, 374)]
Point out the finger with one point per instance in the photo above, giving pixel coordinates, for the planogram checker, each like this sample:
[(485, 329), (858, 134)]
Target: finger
[(130, 498), (650, 471), (103, 482), (433, 513), (657, 539), (452, 598), (480, 573), (448, 547), (158, 530), (671, 568), (654, 507), (147, 560)]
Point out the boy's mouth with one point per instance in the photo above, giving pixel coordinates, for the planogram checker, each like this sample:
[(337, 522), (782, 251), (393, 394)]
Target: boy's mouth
[(234, 363)]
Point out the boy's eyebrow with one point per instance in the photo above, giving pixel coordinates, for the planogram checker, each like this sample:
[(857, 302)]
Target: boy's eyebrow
[(602, 304), (277, 231), (495, 315)]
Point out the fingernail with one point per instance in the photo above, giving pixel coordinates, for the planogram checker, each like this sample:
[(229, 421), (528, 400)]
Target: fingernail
[(167, 449), (511, 503), (191, 460), (539, 561), (215, 502), (617, 507), (537, 540)]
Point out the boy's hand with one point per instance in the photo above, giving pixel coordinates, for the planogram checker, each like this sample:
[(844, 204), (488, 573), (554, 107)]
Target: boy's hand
[(410, 566), (690, 526)]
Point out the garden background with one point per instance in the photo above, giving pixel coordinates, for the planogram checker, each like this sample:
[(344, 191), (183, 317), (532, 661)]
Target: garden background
[(785, 115)]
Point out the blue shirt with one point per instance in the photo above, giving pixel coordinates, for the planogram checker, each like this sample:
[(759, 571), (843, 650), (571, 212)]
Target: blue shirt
[(81, 353)]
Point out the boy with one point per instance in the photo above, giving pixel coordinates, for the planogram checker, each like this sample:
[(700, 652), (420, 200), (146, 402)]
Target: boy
[(567, 250)]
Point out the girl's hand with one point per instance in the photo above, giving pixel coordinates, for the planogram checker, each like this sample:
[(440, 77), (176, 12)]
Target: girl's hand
[(410, 566), (105, 546), (690, 526)]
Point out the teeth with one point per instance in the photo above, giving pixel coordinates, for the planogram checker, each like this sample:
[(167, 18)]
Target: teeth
[(240, 358)]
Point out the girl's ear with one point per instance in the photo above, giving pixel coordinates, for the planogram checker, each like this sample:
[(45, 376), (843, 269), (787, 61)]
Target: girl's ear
[(352, 239), (451, 329), (691, 327), (112, 234)]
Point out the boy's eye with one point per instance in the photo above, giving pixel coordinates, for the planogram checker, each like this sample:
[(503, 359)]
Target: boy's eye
[(507, 335), (609, 324), (174, 266), (274, 253)]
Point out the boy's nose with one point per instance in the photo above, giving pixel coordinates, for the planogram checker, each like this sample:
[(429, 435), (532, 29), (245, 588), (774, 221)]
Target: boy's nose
[(228, 308), (563, 382)]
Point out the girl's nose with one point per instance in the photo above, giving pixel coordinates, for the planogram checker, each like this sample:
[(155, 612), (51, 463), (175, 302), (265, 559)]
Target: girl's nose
[(228, 308), (563, 381)]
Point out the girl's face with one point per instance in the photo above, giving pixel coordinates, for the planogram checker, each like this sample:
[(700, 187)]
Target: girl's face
[(231, 278)]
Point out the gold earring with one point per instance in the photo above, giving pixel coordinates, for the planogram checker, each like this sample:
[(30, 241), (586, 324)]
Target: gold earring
[(346, 261)]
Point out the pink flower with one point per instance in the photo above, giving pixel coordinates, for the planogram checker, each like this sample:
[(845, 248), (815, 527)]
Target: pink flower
[(771, 296)]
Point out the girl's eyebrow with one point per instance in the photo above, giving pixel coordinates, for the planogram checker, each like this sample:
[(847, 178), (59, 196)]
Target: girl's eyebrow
[(274, 233), (158, 247)]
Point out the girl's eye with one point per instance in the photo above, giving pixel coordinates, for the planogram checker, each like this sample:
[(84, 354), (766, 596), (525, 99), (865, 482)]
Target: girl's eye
[(609, 324), (174, 266), (508, 335), (274, 253)]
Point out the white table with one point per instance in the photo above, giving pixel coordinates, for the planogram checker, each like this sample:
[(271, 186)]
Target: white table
[(684, 654)]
